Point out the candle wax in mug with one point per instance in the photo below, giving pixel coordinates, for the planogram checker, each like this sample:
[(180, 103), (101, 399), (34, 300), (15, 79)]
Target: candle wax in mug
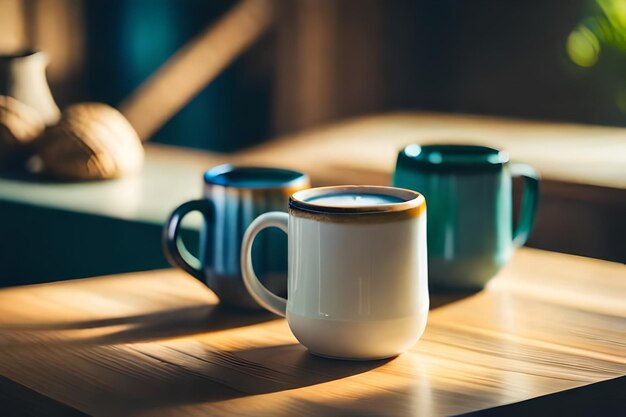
[(354, 200)]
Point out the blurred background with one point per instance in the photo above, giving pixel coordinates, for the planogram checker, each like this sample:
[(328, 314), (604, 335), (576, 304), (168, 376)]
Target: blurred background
[(325, 60)]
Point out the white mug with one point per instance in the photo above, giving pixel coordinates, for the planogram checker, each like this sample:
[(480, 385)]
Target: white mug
[(357, 276)]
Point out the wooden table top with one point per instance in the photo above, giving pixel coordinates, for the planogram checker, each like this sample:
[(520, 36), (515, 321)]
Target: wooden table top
[(156, 343), (356, 151)]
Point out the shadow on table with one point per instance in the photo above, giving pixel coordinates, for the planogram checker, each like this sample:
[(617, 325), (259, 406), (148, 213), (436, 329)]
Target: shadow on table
[(18, 400), (605, 398), (182, 321), (441, 299), (185, 322), (213, 376)]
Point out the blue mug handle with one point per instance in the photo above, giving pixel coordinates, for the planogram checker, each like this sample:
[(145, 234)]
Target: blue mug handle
[(173, 246), (530, 202)]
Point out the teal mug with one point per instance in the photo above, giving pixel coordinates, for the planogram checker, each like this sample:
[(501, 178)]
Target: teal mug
[(468, 190)]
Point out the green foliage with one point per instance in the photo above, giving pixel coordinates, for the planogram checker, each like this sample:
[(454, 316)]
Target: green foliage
[(585, 42)]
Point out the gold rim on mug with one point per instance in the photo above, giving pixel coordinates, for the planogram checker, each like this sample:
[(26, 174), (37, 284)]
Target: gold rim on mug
[(412, 204)]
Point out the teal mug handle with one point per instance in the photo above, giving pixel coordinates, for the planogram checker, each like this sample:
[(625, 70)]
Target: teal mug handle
[(530, 202), (174, 248)]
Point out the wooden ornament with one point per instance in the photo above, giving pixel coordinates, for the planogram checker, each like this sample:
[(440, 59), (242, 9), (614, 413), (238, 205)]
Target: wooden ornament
[(20, 125), (91, 141)]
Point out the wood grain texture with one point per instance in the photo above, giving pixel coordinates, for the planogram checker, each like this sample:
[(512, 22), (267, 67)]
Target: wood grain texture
[(157, 343)]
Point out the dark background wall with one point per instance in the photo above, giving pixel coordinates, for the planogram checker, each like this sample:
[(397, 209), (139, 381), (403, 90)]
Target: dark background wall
[(329, 59), (488, 57)]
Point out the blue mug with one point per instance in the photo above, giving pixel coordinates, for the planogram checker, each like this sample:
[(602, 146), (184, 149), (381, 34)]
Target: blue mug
[(233, 198)]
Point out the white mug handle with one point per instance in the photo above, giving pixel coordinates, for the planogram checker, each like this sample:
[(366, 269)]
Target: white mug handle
[(267, 299)]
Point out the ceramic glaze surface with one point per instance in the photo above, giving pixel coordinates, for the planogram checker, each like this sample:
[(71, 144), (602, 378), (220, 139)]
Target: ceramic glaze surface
[(357, 287), (469, 194), (233, 197), (23, 77), (357, 271), (470, 227), (249, 177)]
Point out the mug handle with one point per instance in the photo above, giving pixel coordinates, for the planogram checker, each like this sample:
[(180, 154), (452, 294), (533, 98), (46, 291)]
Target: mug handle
[(174, 248), (267, 299), (530, 202)]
